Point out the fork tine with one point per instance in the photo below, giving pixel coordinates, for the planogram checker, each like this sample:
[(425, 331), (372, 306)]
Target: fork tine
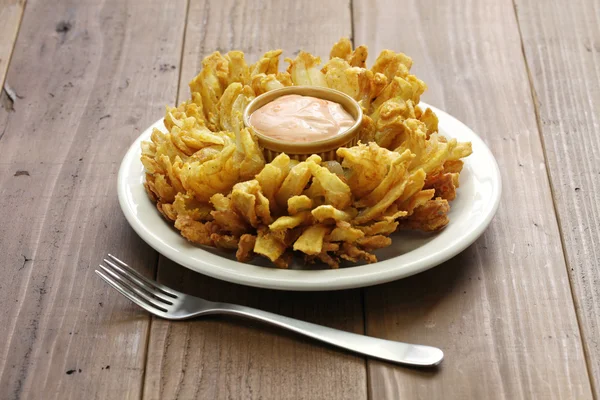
[(119, 288), (150, 289), (118, 279), (162, 288)]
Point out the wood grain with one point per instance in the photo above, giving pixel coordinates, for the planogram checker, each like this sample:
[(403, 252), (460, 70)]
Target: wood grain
[(502, 310), (225, 357), (561, 40), (89, 78), (91, 75), (10, 18), (222, 358)]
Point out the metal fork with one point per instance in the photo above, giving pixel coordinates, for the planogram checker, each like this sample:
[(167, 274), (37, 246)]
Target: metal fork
[(168, 303)]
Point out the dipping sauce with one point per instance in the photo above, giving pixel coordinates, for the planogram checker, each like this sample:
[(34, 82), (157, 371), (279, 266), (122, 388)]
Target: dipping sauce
[(296, 118)]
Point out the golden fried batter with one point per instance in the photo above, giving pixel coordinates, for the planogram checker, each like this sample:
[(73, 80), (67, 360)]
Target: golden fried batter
[(207, 173)]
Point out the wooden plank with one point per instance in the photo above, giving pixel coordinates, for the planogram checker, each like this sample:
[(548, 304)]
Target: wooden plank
[(89, 79), (225, 357), (561, 40), (228, 358), (502, 310), (10, 19)]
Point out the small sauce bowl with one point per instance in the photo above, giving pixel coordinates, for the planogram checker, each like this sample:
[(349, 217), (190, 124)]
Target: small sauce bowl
[(325, 148)]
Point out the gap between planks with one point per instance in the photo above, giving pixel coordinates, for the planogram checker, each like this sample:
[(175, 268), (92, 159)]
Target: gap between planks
[(536, 108), (362, 289), (159, 256)]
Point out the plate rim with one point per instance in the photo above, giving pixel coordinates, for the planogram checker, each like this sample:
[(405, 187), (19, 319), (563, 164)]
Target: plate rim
[(303, 280)]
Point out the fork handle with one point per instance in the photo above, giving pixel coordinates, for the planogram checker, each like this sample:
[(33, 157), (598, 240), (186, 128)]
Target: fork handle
[(397, 352)]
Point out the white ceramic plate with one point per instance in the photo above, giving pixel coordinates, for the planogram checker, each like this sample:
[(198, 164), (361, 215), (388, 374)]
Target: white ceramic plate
[(410, 252)]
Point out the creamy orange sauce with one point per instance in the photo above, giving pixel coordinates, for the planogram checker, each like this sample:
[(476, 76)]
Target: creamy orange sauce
[(297, 118)]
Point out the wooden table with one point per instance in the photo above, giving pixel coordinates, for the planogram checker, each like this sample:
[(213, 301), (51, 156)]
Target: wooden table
[(517, 313)]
